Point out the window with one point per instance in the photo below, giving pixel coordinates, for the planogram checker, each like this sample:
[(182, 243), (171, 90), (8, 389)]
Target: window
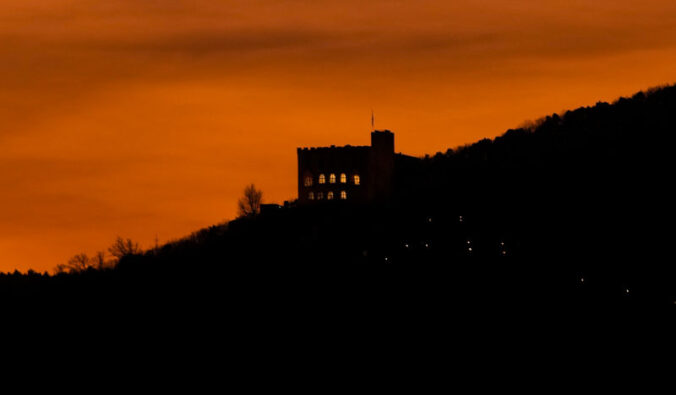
[(343, 195), (322, 179), (320, 195), (356, 179), (308, 181), (343, 178), (329, 196), (332, 179), (311, 196)]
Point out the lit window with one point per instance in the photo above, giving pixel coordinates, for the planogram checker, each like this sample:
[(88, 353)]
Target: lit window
[(311, 196), (308, 181), (343, 178), (332, 178), (343, 195), (322, 179), (356, 179), (320, 195), (329, 196)]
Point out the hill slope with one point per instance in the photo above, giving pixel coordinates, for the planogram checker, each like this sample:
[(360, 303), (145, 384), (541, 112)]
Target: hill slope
[(569, 210)]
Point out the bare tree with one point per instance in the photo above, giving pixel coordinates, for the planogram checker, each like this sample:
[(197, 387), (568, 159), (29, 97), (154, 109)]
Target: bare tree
[(99, 260), (122, 248), (250, 203), (60, 268), (78, 263)]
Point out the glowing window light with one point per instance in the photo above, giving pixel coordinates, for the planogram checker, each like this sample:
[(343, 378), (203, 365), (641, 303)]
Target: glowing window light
[(322, 179), (311, 196), (460, 219), (343, 195), (332, 179), (329, 196), (356, 179), (308, 181), (343, 178), (320, 195)]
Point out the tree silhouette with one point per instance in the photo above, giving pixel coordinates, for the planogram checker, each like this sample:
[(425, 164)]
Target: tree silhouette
[(99, 260), (78, 263), (122, 248), (61, 268), (250, 203)]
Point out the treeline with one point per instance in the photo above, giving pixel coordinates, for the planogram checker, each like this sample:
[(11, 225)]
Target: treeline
[(100, 261), (568, 209)]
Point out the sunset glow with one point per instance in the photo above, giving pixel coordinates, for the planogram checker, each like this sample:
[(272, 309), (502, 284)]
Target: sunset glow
[(147, 119)]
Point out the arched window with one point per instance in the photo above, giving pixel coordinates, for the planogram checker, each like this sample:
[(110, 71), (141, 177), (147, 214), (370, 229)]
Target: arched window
[(322, 179), (320, 195), (343, 195), (311, 196), (343, 178), (332, 179), (356, 179), (329, 196), (308, 181)]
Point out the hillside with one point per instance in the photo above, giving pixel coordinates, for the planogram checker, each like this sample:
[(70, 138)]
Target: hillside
[(570, 210)]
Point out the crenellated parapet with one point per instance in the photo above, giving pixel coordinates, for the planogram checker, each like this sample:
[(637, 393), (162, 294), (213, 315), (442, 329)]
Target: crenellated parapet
[(347, 173)]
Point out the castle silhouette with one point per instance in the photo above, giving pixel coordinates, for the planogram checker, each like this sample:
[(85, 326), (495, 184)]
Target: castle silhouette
[(354, 174)]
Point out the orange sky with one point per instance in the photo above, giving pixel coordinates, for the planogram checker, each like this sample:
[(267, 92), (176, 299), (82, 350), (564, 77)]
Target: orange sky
[(144, 118)]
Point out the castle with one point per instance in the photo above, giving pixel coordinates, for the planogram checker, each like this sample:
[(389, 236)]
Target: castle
[(357, 174)]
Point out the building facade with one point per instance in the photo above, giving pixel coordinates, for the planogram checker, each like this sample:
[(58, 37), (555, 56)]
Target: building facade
[(358, 174)]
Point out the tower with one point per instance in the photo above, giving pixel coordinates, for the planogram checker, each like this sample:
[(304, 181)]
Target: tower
[(381, 164)]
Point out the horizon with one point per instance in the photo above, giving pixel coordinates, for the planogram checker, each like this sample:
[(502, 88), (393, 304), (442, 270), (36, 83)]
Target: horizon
[(148, 120)]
